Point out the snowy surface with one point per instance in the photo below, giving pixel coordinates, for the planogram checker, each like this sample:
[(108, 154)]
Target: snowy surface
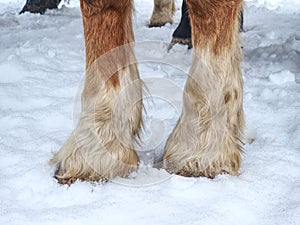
[(41, 69)]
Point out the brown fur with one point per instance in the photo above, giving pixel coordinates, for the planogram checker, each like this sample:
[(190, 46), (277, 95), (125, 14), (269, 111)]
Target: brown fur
[(213, 22), (206, 140), (107, 24)]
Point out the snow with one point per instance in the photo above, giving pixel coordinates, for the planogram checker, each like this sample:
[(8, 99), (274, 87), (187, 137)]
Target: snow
[(281, 5), (282, 77), (41, 74)]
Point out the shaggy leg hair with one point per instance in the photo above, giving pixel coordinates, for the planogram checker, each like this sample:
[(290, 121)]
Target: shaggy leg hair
[(101, 146), (162, 13), (206, 140)]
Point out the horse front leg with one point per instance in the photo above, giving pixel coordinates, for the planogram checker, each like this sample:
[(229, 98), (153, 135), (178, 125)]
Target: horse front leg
[(101, 147), (206, 140)]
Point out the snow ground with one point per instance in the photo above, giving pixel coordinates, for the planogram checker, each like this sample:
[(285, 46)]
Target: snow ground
[(41, 69)]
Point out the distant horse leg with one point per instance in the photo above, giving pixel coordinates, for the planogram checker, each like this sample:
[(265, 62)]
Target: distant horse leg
[(162, 13), (183, 33)]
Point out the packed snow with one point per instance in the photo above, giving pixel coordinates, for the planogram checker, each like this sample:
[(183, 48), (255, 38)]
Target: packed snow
[(42, 63)]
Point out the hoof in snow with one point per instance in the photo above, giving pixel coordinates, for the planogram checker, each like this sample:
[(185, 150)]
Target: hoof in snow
[(207, 174), (62, 178), (182, 41), (158, 23), (67, 181)]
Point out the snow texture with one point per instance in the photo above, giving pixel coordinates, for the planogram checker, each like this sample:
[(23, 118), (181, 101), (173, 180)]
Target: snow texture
[(41, 74)]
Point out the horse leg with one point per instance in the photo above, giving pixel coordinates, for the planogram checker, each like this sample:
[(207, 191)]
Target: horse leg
[(183, 33), (162, 13), (101, 146), (206, 139)]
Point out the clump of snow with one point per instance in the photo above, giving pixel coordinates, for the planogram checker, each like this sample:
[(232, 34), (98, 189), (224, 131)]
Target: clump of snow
[(282, 77)]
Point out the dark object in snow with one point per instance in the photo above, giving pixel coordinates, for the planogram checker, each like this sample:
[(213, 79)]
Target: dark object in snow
[(241, 20), (183, 33), (40, 6)]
